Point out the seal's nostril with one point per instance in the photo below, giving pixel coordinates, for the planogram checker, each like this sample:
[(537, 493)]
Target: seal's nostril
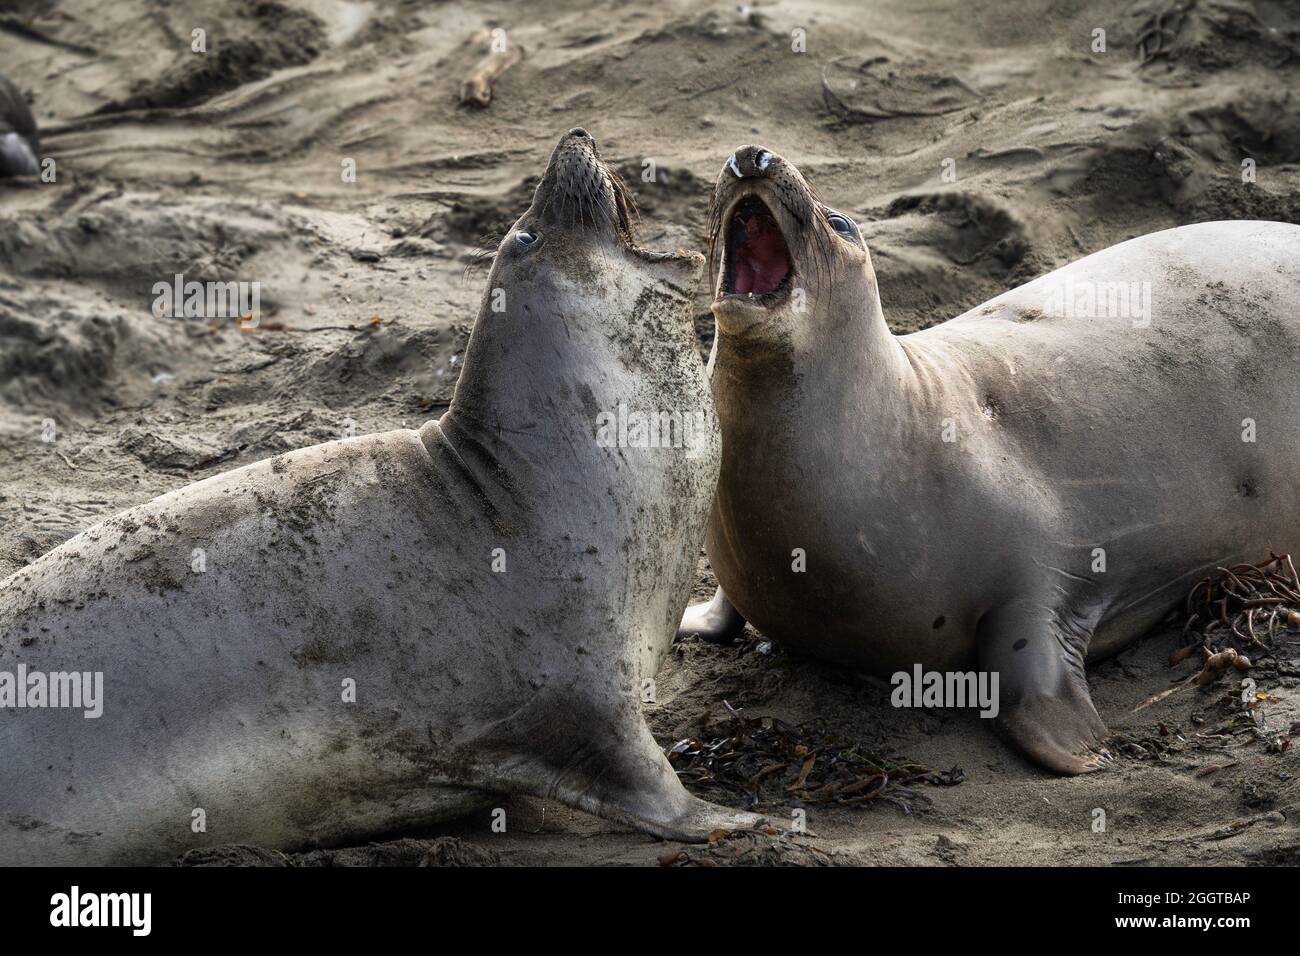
[(749, 161), (579, 131)]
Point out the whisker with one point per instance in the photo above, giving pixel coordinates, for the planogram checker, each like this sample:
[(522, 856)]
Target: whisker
[(482, 254)]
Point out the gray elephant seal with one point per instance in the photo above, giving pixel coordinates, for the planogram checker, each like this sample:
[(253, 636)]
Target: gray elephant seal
[(489, 588), (20, 146), (1027, 486)]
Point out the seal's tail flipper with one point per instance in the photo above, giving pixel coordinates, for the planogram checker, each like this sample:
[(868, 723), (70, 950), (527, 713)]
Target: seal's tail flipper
[(1045, 710)]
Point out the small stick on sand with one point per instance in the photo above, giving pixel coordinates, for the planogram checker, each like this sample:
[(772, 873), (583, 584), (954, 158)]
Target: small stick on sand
[(1214, 668), (477, 89)]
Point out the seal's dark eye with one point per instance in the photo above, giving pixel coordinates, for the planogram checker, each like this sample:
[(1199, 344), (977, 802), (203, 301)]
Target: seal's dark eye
[(525, 238), (844, 226)]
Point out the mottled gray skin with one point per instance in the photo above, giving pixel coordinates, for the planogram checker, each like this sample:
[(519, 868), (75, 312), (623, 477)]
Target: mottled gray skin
[(1070, 434), (371, 559), (20, 146)]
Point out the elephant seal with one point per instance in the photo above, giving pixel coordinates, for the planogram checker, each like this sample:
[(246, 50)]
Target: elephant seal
[(1030, 485), (20, 146), (374, 634)]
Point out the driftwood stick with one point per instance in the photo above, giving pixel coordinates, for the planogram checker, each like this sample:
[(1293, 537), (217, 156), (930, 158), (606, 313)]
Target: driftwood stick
[(476, 91)]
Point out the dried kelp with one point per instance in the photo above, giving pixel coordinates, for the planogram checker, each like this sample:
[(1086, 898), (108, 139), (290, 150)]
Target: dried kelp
[(763, 760), (1244, 609)]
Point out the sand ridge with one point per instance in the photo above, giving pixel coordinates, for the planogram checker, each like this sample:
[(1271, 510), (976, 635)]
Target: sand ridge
[(229, 167)]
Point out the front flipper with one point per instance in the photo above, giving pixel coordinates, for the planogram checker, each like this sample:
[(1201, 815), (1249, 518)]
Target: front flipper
[(633, 783), (600, 759), (717, 622), (1045, 710)]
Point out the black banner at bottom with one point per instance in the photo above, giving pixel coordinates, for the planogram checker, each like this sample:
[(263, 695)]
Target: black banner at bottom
[(336, 905)]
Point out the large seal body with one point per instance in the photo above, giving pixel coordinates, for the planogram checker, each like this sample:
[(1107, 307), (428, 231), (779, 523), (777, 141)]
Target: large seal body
[(1027, 486), (381, 632)]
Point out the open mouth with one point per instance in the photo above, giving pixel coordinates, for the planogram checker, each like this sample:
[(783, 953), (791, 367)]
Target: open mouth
[(758, 261)]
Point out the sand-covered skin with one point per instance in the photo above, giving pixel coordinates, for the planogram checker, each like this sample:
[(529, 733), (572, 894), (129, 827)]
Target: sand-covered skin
[(227, 166)]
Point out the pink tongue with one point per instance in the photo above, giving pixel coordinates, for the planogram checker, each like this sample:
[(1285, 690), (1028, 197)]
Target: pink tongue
[(760, 265)]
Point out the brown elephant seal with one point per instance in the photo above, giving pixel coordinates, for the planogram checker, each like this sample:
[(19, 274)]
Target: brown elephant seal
[(1025, 487), (374, 634), (20, 145)]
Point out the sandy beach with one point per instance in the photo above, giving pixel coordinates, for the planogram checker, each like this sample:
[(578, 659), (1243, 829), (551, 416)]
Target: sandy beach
[(979, 144)]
